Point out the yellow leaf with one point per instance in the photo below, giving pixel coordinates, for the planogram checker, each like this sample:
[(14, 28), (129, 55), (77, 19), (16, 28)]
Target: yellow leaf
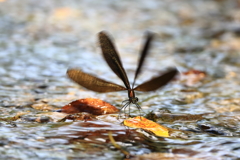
[(64, 13), (141, 122)]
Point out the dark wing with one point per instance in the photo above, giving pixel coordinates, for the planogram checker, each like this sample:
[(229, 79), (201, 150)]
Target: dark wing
[(144, 52), (92, 83), (112, 58), (157, 82)]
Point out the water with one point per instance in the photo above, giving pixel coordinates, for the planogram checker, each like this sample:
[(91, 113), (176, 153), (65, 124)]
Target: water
[(40, 41)]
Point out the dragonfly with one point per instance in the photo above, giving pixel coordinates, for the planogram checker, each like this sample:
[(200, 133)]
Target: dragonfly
[(113, 60)]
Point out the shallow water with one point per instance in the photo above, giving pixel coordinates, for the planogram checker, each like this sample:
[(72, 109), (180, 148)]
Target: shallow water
[(40, 41)]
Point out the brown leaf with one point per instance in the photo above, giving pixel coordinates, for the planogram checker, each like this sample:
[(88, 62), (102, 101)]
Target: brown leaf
[(79, 116), (192, 77), (90, 105)]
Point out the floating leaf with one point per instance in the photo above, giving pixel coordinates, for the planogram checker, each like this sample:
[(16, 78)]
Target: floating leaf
[(141, 122), (192, 77), (90, 105), (65, 13)]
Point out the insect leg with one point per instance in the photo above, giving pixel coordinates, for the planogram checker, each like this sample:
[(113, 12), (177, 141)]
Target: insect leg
[(139, 109), (124, 106)]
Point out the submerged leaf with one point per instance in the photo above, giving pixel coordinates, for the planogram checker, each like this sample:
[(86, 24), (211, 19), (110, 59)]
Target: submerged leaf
[(141, 122), (126, 153), (78, 116), (90, 105), (169, 117), (164, 156)]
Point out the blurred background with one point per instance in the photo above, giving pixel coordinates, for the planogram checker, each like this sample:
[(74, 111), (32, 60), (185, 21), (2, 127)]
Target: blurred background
[(40, 40)]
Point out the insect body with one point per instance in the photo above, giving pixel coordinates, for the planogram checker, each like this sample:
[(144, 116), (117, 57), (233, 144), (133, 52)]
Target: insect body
[(112, 58)]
